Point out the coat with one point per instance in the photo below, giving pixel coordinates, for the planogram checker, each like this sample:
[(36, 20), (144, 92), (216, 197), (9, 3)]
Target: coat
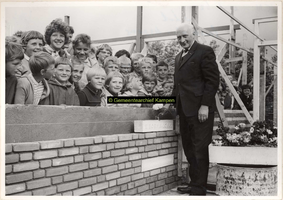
[(196, 79), (11, 85), (60, 94), (25, 90), (90, 96)]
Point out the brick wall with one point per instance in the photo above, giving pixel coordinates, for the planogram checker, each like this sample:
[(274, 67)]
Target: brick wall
[(99, 165)]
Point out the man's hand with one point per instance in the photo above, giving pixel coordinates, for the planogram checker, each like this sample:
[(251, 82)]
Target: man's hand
[(203, 113)]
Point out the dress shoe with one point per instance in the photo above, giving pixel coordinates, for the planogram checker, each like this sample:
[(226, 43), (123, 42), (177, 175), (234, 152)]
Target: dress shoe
[(184, 190)]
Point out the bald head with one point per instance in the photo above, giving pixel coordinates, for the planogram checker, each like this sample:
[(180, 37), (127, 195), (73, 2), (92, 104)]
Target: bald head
[(185, 35)]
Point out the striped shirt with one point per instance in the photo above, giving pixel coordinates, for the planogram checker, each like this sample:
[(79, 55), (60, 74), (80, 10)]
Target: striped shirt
[(38, 90)]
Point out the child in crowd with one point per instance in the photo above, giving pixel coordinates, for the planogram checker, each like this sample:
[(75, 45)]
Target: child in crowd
[(69, 47), (135, 57), (32, 42), (81, 46), (125, 65), (13, 59), (145, 66), (122, 52), (32, 88), (103, 52), (56, 37), (149, 83), (162, 76), (92, 94), (111, 64), (114, 84), (61, 90), (77, 72), (247, 97), (154, 60), (167, 88), (133, 85)]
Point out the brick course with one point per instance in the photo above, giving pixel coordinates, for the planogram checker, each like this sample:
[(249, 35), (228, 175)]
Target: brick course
[(29, 146)]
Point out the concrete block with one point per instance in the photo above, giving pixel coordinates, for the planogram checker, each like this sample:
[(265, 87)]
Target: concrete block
[(162, 176), (112, 183), (100, 193), (69, 142), (157, 190), (79, 158), (105, 162), (114, 175), (121, 145), (25, 156), (16, 178), (158, 140), (137, 176), (38, 183), (93, 164), (93, 156), (151, 179), (136, 163), (160, 183), (101, 178), (171, 168), (92, 172), (16, 188), (45, 154), (73, 176), (137, 169), (161, 133), (170, 180), (149, 141), (97, 148), (106, 154), (135, 136), (121, 159), (45, 163), (128, 164), (45, 191), (146, 193), (62, 161), (121, 166), (84, 149), (110, 138), (125, 137), (123, 180), (134, 156), (143, 188), (87, 181), (8, 148), (78, 167), (39, 173), (141, 149), (150, 147), (28, 146), (110, 146), (152, 125), (132, 143), (12, 158), (140, 182), (127, 172), (132, 150), (130, 185), (82, 191), (152, 154), (146, 174), (25, 166), (55, 171), (173, 150), (98, 139), (100, 186), (68, 151), (113, 190), (166, 145), (141, 136), (151, 185), (154, 172), (67, 186), (119, 152), (109, 169), (83, 141), (144, 155), (51, 144), (70, 193), (24, 194), (131, 192), (163, 151)]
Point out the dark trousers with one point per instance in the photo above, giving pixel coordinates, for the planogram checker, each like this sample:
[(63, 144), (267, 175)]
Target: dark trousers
[(196, 137)]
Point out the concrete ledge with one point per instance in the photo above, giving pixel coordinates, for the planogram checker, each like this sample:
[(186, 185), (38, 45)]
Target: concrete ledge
[(28, 123)]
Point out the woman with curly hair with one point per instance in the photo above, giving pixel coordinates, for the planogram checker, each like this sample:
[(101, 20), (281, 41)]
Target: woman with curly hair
[(56, 37)]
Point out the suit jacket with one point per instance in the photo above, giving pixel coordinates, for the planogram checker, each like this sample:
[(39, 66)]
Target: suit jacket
[(196, 79)]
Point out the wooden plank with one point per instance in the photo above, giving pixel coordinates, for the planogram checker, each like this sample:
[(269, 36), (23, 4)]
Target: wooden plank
[(234, 92), (232, 50), (240, 76), (139, 29), (132, 48), (275, 100), (236, 59), (262, 87), (222, 52), (256, 77), (110, 40), (269, 88), (265, 19), (268, 43), (195, 24), (245, 68), (224, 40), (220, 111)]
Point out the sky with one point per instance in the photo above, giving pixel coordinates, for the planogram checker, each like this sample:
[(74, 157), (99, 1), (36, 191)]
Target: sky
[(103, 22)]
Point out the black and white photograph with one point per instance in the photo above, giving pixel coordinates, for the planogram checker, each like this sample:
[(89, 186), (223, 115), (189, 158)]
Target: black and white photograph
[(163, 100)]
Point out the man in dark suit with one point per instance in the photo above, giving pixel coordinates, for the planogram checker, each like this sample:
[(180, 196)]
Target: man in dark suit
[(196, 83)]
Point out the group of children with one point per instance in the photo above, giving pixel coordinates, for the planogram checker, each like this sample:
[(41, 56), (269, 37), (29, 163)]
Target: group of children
[(54, 70)]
